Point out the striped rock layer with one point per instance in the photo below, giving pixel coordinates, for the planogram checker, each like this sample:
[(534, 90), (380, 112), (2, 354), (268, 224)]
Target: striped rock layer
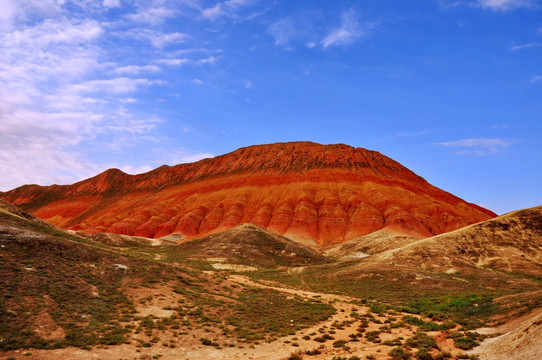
[(325, 194)]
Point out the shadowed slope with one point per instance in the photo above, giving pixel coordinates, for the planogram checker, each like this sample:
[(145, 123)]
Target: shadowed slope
[(326, 194), (255, 245)]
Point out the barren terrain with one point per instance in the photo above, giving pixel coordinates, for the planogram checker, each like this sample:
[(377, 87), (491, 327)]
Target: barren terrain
[(108, 297)]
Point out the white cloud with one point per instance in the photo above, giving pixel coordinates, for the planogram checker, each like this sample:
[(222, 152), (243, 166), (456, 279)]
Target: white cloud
[(183, 61), (157, 38), (283, 30), (136, 69), (477, 146), (163, 40), (111, 3), (208, 60), (301, 28), (347, 33), (181, 156), (175, 62), (501, 126), (225, 9), (536, 78), (503, 4), (153, 15), (134, 170), (526, 46), (197, 82), (53, 100), (307, 28), (115, 85)]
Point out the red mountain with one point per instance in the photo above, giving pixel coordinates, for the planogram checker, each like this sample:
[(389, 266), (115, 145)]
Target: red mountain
[(306, 191)]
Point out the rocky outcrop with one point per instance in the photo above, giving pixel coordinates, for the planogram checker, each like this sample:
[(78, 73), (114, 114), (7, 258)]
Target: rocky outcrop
[(327, 194)]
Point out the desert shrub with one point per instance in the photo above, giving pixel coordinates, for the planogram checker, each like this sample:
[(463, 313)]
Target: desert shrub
[(443, 355), (465, 343), (466, 356), (424, 325), (398, 353), (424, 354), (313, 352), (339, 343), (373, 336), (394, 342), (421, 340), (295, 356)]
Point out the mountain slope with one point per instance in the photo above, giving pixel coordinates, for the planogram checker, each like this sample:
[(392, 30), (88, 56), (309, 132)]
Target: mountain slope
[(325, 194), (511, 242), (252, 244)]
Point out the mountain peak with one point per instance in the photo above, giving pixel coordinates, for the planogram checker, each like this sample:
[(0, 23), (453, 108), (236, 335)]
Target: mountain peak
[(319, 194)]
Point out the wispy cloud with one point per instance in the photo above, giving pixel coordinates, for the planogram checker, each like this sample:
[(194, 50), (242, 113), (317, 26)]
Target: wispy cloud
[(225, 9), (347, 33), (477, 146), (283, 30), (536, 78), (111, 3), (179, 156), (409, 134), (53, 96), (175, 62), (526, 46), (157, 38), (135, 69), (153, 15), (115, 85), (247, 84), (183, 61), (307, 29), (504, 4)]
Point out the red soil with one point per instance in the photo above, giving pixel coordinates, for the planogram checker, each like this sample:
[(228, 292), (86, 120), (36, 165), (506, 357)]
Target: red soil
[(326, 193)]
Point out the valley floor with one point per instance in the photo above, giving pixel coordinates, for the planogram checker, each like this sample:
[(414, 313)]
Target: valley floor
[(346, 332)]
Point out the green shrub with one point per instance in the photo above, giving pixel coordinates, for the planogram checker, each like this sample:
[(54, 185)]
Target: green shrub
[(398, 353), (424, 354), (373, 336), (206, 342), (339, 343), (421, 340), (295, 356), (465, 343), (443, 355)]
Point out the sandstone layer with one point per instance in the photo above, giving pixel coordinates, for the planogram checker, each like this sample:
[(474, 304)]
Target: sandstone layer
[(318, 194)]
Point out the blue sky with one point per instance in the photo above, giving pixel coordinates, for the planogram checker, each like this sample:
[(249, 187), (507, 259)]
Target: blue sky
[(451, 89)]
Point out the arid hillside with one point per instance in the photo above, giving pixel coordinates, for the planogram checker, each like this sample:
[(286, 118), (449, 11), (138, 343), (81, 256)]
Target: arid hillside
[(248, 243), (242, 294), (510, 243), (317, 194)]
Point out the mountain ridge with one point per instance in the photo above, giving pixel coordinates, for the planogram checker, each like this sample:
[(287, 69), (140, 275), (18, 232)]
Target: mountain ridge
[(324, 193)]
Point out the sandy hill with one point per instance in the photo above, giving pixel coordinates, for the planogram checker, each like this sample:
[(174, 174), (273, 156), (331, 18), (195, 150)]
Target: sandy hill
[(254, 245), (522, 341), (324, 194), (370, 244), (511, 243)]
